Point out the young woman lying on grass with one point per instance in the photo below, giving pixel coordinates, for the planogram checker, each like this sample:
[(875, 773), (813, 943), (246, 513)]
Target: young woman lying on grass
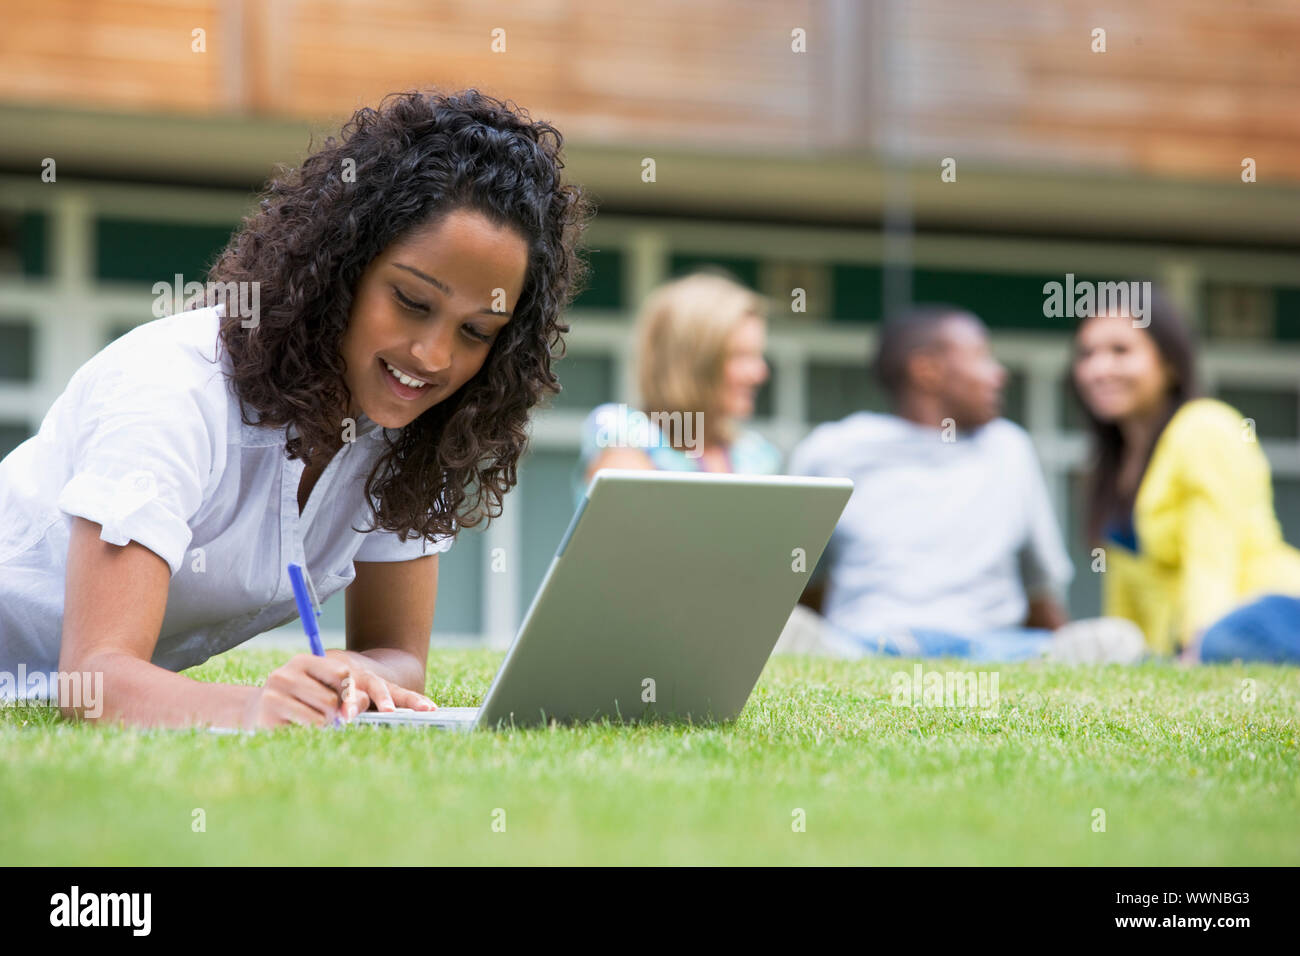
[(410, 280)]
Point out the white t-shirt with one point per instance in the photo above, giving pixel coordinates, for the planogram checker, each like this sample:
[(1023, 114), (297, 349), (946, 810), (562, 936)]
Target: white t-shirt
[(948, 536), (147, 440)]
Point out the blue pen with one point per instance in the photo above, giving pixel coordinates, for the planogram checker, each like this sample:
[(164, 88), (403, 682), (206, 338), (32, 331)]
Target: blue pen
[(306, 609), (304, 595)]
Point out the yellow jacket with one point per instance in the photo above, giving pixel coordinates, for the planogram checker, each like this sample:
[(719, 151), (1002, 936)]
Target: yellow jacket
[(1208, 539)]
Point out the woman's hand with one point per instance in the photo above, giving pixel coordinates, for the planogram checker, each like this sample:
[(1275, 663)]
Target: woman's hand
[(306, 690), (369, 687)]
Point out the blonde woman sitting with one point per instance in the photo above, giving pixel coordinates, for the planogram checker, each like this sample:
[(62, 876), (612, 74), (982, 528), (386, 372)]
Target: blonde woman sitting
[(699, 360)]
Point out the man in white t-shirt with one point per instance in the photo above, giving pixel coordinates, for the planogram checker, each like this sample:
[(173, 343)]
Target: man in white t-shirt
[(948, 546)]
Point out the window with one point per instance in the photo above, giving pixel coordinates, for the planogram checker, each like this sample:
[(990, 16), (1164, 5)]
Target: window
[(604, 289), (764, 406), (17, 350), (1286, 499), (132, 250), (856, 292), (1002, 300), (23, 243), (586, 380), (118, 329), (1085, 588), (1275, 411), (835, 391), (1013, 397), (13, 434), (743, 270), (546, 497)]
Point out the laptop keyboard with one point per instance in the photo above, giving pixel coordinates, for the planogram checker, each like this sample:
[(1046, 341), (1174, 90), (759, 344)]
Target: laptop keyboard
[(406, 715)]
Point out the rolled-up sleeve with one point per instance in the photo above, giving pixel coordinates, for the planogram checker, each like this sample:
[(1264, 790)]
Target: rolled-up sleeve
[(144, 454), (387, 546)]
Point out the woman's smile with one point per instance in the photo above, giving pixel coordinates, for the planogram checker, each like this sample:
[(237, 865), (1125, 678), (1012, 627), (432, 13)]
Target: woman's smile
[(403, 384)]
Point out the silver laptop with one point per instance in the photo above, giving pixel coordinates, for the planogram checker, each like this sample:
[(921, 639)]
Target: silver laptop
[(664, 600)]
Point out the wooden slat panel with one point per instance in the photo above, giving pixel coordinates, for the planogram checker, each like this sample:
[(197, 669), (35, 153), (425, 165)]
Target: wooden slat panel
[(125, 54), (1187, 87)]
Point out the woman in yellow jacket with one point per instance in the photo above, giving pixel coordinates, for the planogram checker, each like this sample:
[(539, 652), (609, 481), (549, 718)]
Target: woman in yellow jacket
[(1181, 499)]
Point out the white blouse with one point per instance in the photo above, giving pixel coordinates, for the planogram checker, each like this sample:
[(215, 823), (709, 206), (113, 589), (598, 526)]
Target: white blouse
[(147, 441)]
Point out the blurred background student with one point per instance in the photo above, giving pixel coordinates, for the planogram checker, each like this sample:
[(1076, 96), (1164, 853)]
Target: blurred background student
[(948, 546), (699, 364), (1181, 498)]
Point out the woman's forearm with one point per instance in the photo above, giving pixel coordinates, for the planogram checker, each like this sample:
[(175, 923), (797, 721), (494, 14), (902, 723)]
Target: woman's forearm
[(139, 693)]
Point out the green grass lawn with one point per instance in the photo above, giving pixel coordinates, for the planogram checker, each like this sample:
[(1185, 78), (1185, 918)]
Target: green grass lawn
[(1189, 767)]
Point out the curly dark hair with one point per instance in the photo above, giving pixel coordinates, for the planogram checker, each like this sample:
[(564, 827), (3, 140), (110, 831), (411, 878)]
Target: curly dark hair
[(418, 157)]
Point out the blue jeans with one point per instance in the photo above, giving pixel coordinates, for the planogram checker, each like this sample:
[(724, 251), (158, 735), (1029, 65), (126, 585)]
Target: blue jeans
[(1266, 630), (1005, 644)]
